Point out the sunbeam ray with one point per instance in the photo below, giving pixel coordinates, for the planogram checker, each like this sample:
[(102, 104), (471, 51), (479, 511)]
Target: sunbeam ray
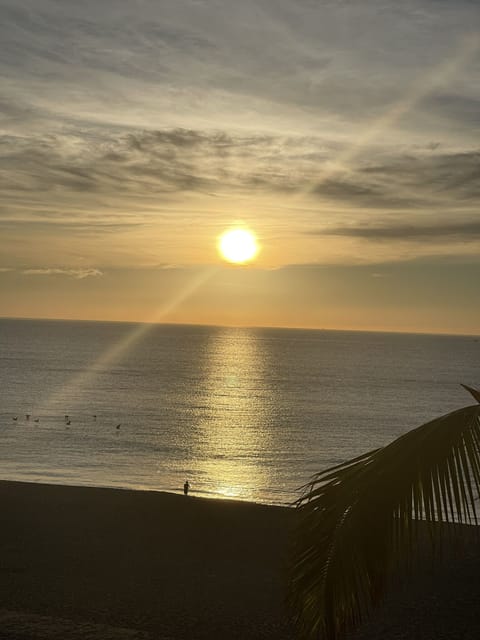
[(114, 352), (420, 89)]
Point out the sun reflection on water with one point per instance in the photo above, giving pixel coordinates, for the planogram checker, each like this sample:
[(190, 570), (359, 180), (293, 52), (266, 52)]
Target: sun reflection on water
[(232, 433)]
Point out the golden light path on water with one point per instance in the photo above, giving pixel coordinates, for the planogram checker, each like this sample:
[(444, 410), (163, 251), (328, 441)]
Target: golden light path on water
[(236, 427), (224, 453), (114, 352)]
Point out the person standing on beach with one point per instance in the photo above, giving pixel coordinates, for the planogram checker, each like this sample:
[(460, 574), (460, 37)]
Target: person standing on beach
[(186, 487)]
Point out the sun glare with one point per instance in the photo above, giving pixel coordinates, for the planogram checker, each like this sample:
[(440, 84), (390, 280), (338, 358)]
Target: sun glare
[(238, 246)]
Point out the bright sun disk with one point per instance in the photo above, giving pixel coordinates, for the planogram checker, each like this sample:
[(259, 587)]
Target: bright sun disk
[(238, 245)]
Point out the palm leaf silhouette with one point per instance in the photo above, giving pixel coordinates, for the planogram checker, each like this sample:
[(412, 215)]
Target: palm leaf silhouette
[(473, 392), (359, 520)]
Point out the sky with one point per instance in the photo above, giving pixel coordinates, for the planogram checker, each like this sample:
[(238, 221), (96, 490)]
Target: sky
[(344, 134)]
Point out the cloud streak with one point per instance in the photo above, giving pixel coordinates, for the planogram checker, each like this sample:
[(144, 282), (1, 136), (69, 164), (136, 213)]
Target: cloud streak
[(76, 274), (468, 231)]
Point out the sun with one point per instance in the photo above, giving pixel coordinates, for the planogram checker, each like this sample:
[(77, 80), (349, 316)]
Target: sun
[(238, 246)]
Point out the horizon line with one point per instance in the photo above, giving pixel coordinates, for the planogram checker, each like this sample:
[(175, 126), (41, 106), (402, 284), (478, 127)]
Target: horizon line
[(203, 324)]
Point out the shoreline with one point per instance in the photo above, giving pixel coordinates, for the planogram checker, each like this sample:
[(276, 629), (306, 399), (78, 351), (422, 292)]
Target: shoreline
[(201, 495)]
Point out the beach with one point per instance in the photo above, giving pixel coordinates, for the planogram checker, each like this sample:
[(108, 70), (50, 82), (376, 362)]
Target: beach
[(166, 565), (111, 564)]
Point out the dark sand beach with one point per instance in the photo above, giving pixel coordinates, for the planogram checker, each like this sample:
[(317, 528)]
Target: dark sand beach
[(168, 565), (98, 564)]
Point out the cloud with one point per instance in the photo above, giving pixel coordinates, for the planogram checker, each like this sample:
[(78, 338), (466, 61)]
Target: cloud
[(153, 122), (153, 163), (187, 62), (169, 162), (77, 274), (454, 175), (464, 109), (421, 179), (468, 231), (363, 194)]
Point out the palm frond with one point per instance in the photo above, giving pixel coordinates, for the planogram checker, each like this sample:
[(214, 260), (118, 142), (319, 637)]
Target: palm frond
[(474, 392), (360, 519)]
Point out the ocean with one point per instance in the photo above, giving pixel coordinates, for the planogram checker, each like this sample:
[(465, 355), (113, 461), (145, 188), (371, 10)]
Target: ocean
[(244, 413)]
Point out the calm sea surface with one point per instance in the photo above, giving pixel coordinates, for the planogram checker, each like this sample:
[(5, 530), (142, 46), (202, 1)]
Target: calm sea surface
[(244, 413)]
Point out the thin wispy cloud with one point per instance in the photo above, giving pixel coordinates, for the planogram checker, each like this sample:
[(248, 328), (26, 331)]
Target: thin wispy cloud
[(77, 274), (468, 231)]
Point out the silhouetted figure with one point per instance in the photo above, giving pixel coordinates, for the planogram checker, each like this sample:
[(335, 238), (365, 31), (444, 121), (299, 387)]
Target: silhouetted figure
[(69, 422), (118, 426), (95, 416), (27, 416), (186, 487), (37, 420), (15, 418)]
